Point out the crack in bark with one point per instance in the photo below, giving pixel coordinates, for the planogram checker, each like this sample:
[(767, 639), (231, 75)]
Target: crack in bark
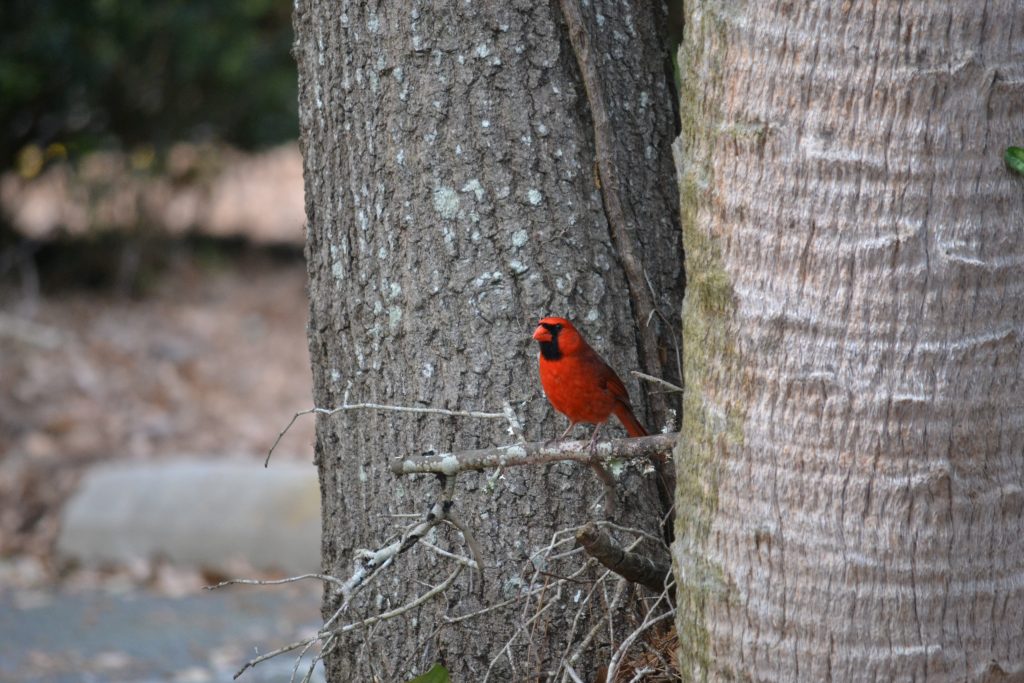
[(621, 218), (622, 222)]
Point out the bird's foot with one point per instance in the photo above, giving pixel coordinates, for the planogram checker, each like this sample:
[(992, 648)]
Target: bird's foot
[(592, 446), (559, 439)]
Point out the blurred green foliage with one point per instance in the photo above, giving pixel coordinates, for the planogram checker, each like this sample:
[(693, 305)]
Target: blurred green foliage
[(1014, 157), (437, 674), (77, 75)]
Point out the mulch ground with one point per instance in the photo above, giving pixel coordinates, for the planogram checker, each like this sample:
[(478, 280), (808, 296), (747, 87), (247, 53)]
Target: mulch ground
[(210, 359)]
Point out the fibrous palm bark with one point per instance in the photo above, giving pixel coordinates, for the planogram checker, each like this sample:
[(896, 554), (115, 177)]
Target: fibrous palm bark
[(850, 501)]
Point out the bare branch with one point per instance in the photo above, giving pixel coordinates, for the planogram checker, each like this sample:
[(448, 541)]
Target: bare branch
[(581, 613), (604, 523), (629, 565), (581, 646), (572, 674), (613, 665), (474, 547), (515, 426), (675, 332), (467, 561), (369, 563), (407, 409), (507, 649), (536, 453), (640, 674), (273, 653), (398, 611), (657, 380), (274, 582), (649, 620), (326, 635), (298, 660), (491, 608), (379, 406)]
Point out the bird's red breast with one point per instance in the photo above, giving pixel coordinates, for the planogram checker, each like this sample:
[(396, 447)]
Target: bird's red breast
[(577, 381)]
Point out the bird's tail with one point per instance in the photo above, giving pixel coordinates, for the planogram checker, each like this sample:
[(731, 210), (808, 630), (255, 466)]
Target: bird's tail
[(628, 420)]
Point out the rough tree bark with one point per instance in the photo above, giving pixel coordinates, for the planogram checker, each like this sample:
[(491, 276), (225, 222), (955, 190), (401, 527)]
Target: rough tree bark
[(850, 480), (452, 200)]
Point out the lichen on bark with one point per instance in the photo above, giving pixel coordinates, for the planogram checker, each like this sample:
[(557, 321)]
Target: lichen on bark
[(708, 429), (451, 202)]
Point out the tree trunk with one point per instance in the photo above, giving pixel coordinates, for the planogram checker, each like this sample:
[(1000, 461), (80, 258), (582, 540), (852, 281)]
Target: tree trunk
[(452, 200), (850, 478)]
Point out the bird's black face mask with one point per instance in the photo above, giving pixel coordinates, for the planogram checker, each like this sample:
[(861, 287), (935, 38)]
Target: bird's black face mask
[(549, 349)]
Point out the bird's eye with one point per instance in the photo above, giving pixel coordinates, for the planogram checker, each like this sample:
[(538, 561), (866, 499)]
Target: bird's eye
[(558, 326)]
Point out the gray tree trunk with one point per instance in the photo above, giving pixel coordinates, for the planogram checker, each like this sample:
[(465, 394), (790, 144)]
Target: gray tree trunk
[(452, 200), (850, 480)]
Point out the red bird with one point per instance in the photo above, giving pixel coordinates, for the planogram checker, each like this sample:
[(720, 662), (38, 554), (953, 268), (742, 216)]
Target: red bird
[(578, 382)]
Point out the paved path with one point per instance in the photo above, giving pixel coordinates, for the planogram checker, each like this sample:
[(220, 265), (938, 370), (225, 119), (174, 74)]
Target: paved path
[(193, 513), (141, 638)]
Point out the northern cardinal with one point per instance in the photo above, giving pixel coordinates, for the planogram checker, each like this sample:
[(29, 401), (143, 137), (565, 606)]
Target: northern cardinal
[(578, 382)]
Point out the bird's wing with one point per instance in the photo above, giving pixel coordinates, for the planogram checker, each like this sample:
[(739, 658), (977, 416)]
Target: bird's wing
[(607, 379), (614, 386)]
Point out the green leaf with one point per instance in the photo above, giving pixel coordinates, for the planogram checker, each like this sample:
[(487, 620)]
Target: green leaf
[(437, 674), (1014, 157)]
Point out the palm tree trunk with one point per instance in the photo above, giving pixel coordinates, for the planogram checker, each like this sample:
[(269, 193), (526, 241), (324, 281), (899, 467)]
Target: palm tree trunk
[(850, 501)]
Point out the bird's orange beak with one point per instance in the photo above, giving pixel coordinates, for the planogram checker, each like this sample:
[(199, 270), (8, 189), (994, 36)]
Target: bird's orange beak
[(542, 334)]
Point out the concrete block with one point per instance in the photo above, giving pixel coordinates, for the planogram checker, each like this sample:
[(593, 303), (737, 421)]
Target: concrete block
[(205, 513)]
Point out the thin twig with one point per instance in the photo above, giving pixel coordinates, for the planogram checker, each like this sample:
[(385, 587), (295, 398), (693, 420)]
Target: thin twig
[(312, 667), (640, 674), (474, 548), (461, 559), (274, 582), (604, 523), (657, 380), (370, 563), (515, 426), (608, 609), (649, 620), (579, 614), (675, 333), (398, 611), (507, 649), (567, 553), (582, 646), (379, 406), (531, 640), (613, 665), (329, 635), (491, 608), (273, 653), (298, 660), (572, 674)]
